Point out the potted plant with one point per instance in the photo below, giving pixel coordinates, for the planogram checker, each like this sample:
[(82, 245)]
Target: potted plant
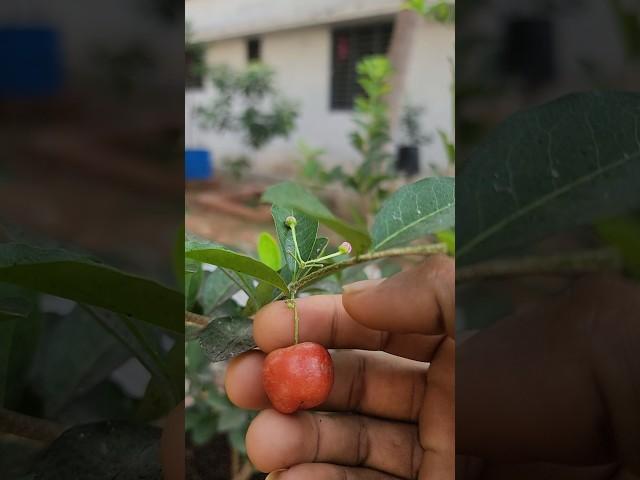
[(408, 158)]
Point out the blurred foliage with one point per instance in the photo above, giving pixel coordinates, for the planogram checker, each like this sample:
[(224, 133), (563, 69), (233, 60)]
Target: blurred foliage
[(410, 127), (58, 355), (247, 102), (237, 166), (441, 11)]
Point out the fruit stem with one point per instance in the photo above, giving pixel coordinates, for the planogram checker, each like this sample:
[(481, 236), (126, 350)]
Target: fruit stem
[(291, 303), (296, 324)]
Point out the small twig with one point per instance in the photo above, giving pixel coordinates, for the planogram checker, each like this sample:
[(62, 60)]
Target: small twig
[(195, 319), (584, 261), (24, 426), (294, 287), (430, 249)]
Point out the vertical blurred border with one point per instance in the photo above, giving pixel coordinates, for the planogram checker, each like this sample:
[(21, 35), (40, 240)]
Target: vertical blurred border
[(91, 232)]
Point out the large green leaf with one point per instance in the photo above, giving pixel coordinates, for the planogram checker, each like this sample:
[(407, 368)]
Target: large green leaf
[(548, 169), (61, 373), (414, 211), (80, 278), (294, 196), (306, 234), (226, 337), (212, 253)]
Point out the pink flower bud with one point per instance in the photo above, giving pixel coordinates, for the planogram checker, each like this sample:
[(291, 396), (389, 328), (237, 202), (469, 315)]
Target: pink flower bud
[(345, 247)]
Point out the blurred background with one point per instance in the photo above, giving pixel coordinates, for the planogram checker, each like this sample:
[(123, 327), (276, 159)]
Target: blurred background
[(514, 55), (351, 99), (91, 127)]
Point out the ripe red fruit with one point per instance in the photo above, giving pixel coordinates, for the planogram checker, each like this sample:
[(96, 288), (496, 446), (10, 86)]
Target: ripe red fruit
[(298, 377)]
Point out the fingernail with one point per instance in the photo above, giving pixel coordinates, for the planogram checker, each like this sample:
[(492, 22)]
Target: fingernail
[(362, 285), (276, 474)]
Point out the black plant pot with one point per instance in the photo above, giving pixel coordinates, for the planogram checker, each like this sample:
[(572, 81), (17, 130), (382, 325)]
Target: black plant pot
[(408, 159)]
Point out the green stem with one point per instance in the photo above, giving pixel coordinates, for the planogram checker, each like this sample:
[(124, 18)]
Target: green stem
[(296, 323), (295, 286), (584, 261), (430, 249), (327, 257), (295, 244)]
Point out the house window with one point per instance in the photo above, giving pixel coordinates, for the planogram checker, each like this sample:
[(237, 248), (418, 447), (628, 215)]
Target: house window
[(253, 50), (350, 45)]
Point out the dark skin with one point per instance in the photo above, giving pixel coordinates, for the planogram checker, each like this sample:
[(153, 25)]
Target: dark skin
[(553, 391), (390, 413)]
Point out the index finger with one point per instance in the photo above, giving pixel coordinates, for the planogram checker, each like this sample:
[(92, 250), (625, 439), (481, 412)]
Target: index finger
[(418, 300), (324, 320)]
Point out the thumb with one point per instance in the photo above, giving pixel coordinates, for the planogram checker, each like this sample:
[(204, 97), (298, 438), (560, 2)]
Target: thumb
[(419, 300)]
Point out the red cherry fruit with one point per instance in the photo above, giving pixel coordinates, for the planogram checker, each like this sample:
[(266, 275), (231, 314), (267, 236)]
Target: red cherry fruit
[(298, 377)]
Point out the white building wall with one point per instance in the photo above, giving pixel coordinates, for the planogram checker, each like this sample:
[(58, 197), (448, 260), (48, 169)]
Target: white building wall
[(302, 60)]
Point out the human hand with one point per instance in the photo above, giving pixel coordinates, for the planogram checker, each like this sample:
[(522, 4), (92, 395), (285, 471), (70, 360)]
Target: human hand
[(392, 414), (554, 391)]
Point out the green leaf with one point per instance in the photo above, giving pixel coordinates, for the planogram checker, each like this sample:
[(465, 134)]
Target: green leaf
[(6, 340), (448, 237), (209, 252), (623, 233), (177, 257), (226, 337), (233, 419), (141, 341), (236, 438), (414, 211), (204, 430), (306, 234), (193, 275), (293, 196), (12, 308), (216, 289), (61, 372), (19, 340), (552, 168), (268, 251), (155, 402), (80, 278), (106, 450)]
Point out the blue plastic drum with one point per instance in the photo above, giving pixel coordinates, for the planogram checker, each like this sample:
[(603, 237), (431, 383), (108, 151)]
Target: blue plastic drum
[(198, 164), (30, 62)]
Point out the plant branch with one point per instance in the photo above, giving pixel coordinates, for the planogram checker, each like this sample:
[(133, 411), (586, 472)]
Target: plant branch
[(424, 250), (195, 319), (24, 426), (584, 261)]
